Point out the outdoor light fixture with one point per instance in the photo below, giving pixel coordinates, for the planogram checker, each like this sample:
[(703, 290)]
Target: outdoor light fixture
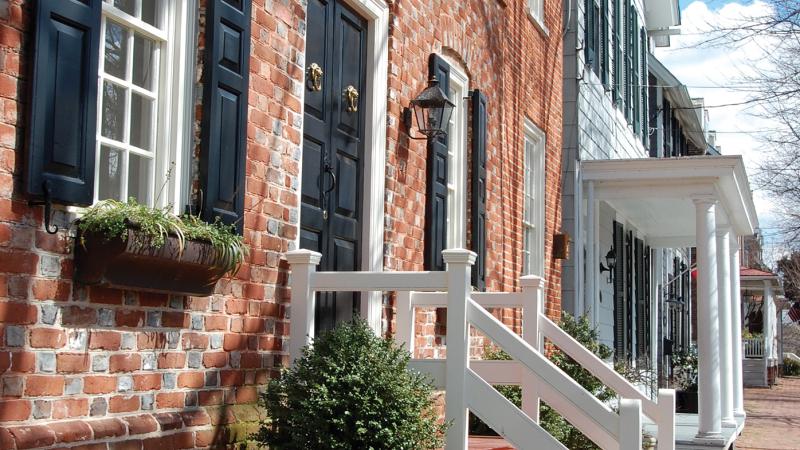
[(611, 260), (432, 110)]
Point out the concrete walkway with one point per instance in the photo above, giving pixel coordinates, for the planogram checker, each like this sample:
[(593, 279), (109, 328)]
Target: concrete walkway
[(773, 417)]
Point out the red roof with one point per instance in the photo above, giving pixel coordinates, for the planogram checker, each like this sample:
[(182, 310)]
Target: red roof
[(748, 272)]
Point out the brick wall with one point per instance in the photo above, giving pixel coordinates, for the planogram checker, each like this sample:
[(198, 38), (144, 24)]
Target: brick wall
[(103, 366)]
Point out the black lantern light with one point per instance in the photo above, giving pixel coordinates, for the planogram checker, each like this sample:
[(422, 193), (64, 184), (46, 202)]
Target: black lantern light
[(432, 110), (611, 261)]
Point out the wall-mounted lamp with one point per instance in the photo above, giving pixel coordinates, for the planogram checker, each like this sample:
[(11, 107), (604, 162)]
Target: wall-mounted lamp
[(611, 260), (432, 110)]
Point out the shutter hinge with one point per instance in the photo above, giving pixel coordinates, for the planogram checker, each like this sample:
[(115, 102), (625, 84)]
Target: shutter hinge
[(48, 206)]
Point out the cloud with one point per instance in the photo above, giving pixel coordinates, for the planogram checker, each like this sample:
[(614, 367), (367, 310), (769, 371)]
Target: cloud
[(715, 73)]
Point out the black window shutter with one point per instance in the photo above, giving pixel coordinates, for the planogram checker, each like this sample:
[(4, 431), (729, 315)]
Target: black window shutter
[(640, 300), (636, 82), (436, 186), (619, 81), (629, 299), (645, 78), (604, 75), (478, 188), (647, 324), (619, 292), (224, 135), (63, 100)]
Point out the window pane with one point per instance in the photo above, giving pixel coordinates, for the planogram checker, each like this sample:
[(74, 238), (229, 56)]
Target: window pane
[(141, 126), (143, 57), (129, 6), (110, 174), (116, 49), (150, 9), (113, 111), (139, 178)]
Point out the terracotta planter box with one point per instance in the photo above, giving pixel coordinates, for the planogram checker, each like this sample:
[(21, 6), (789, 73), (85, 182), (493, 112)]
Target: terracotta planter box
[(126, 264)]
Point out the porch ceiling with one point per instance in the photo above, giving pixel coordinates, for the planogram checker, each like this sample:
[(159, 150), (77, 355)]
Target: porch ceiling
[(656, 194)]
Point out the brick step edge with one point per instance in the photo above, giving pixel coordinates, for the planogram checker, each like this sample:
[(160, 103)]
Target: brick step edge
[(166, 430)]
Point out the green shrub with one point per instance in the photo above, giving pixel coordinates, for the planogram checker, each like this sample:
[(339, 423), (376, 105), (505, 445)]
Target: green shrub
[(791, 368), (351, 390)]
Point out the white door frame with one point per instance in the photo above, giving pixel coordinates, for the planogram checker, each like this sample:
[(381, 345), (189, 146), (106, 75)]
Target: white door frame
[(376, 12)]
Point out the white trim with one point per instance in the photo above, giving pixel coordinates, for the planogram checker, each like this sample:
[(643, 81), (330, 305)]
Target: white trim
[(535, 250), (535, 12), (457, 165)]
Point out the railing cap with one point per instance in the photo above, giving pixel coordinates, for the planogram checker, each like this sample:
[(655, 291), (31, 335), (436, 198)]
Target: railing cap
[(459, 256), (531, 281), (303, 256)]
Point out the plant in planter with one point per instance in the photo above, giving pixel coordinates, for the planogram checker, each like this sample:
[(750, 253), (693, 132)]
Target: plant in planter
[(129, 245), (684, 379), (351, 390)]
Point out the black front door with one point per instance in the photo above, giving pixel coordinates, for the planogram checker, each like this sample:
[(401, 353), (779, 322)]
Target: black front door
[(333, 148)]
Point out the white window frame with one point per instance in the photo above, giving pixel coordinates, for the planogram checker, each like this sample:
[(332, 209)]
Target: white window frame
[(534, 174), (536, 14), (457, 159), (172, 120)]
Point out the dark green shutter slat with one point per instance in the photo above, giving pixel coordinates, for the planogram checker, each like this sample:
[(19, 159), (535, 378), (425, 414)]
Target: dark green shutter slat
[(629, 299), (647, 311), (651, 113), (619, 291), (224, 135), (619, 86), (644, 90), (63, 100), (641, 323), (636, 76), (436, 186), (604, 72), (478, 188)]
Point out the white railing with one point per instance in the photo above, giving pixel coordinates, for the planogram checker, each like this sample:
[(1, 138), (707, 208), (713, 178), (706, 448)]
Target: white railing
[(753, 347), (468, 384)]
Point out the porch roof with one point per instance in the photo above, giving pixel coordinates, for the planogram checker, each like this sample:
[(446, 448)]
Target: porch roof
[(656, 194)]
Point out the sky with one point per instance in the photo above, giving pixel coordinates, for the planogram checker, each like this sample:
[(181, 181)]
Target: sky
[(709, 73)]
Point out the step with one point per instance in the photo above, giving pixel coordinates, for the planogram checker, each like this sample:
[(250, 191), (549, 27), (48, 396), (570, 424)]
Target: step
[(488, 443)]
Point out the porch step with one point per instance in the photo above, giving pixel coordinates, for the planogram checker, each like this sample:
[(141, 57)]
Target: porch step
[(488, 443)]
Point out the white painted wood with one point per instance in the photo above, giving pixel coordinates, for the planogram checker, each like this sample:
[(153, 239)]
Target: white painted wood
[(592, 262), (459, 269), (725, 325), (601, 420), (666, 419), (303, 264), (493, 372), (630, 424), (753, 347), (379, 281), (709, 414), (405, 321), (505, 418), (485, 299), (736, 302), (532, 292)]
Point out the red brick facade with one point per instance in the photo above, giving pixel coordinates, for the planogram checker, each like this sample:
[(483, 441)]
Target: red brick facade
[(124, 369)]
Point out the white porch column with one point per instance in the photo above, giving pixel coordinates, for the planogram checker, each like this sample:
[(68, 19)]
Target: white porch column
[(459, 268), (301, 331), (725, 327), (736, 323), (589, 306), (709, 423)]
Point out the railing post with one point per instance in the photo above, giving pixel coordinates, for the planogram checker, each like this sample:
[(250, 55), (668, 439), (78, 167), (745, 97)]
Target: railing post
[(459, 267), (303, 264), (405, 321), (630, 424), (666, 419), (531, 288)]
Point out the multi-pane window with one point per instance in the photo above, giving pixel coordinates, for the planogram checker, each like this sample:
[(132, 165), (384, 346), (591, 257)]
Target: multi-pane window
[(533, 214), (536, 9), (144, 71)]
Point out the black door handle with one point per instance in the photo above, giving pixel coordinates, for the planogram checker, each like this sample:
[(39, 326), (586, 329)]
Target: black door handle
[(328, 169)]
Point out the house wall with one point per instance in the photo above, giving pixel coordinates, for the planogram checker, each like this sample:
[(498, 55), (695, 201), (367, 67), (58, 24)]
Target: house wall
[(593, 129), (109, 366)]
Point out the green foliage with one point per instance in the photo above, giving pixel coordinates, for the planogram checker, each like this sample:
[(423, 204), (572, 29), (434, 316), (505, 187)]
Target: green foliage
[(351, 390), (791, 368), (112, 218), (684, 370), (549, 419)]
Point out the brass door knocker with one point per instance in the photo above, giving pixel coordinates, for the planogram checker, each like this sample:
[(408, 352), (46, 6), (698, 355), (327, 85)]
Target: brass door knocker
[(351, 97), (314, 74)]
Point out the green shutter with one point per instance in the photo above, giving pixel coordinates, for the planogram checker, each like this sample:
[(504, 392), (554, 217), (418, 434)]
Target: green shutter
[(616, 32), (636, 76), (604, 72), (645, 77)]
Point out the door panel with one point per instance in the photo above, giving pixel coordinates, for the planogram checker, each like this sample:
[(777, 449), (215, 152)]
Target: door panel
[(331, 210)]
